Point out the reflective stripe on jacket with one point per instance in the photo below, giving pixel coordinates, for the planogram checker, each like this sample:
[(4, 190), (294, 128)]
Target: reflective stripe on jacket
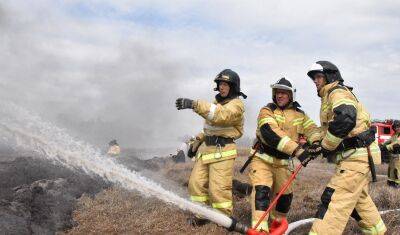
[(223, 119), (281, 129), (343, 116)]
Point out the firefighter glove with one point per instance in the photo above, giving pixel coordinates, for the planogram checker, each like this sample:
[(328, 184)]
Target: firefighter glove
[(191, 153), (396, 149), (183, 103), (315, 149), (383, 147), (193, 147), (304, 156)]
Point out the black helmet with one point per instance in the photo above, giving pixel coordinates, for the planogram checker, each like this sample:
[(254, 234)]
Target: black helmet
[(113, 142), (396, 124), (231, 77), (283, 84), (330, 71)]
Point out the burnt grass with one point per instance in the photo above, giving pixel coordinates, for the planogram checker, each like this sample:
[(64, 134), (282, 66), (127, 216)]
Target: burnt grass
[(117, 211), (38, 196)]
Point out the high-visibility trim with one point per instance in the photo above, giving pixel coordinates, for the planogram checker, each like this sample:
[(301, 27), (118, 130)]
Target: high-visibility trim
[(266, 120), (308, 123), (218, 155), (217, 128), (298, 121), (314, 136), (263, 225), (393, 180), (359, 152), (280, 118), (282, 143), (270, 159), (211, 113), (199, 198), (222, 205), (333, 139), (344, 101), (325, 107), (377, 229)]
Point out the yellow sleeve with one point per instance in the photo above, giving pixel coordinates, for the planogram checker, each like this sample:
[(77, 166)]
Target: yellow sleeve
[(220, 115), (310, 130), (344, 107), (389, 144), (272, 135)]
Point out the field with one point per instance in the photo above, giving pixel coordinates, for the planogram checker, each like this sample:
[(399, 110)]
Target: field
[(117, 211)]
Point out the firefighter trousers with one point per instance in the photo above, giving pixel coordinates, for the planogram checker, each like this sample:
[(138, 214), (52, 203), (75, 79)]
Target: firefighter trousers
[(394, 170), (212, 184), (347, 195), (267, 179)]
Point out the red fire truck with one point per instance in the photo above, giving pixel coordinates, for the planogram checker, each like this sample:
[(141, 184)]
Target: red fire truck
[(383, 132)]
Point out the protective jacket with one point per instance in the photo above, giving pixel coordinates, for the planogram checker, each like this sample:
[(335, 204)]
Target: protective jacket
[(279, 131), (343, 116), (223, 119), (394, 164), (395, 139)]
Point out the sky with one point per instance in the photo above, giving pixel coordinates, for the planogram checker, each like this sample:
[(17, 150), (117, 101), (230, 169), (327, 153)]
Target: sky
[(113, 69)]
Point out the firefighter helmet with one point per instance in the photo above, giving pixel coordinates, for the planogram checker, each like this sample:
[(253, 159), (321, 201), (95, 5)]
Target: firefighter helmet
[(396, 124), (113, 142), (330, 71), (284, 84), (233, 79)]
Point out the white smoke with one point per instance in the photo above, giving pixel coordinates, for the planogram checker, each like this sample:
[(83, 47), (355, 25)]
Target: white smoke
[(30, 132)]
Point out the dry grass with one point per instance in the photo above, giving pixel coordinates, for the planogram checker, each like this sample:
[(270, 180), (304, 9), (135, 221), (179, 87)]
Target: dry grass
[(117, 211)]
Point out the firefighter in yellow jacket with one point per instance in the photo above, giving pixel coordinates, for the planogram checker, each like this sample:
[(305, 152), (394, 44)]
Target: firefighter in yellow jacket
[(211, 178), (280, 125), (346, 132), (114, 149), (393, 147)]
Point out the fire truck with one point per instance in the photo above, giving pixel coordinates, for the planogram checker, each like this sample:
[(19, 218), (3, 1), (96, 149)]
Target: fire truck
[(383, 132)]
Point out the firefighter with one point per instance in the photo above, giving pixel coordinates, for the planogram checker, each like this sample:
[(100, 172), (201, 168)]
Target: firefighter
[(211, 178), (346, 132), (393, 147), (114, 149), (280, 126)]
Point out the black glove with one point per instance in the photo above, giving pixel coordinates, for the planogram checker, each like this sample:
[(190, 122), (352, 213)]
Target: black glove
[(183, 103), (383, 148), (396, 148), (315, 149), (191, 153), (304, 157)]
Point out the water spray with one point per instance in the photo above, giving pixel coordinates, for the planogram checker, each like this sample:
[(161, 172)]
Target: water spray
[(32, 133)]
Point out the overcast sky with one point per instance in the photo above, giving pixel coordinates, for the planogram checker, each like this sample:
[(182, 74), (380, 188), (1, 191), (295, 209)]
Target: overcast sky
[(113, 69)]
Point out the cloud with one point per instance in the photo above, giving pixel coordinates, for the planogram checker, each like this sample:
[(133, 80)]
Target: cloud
[(107, 69)]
